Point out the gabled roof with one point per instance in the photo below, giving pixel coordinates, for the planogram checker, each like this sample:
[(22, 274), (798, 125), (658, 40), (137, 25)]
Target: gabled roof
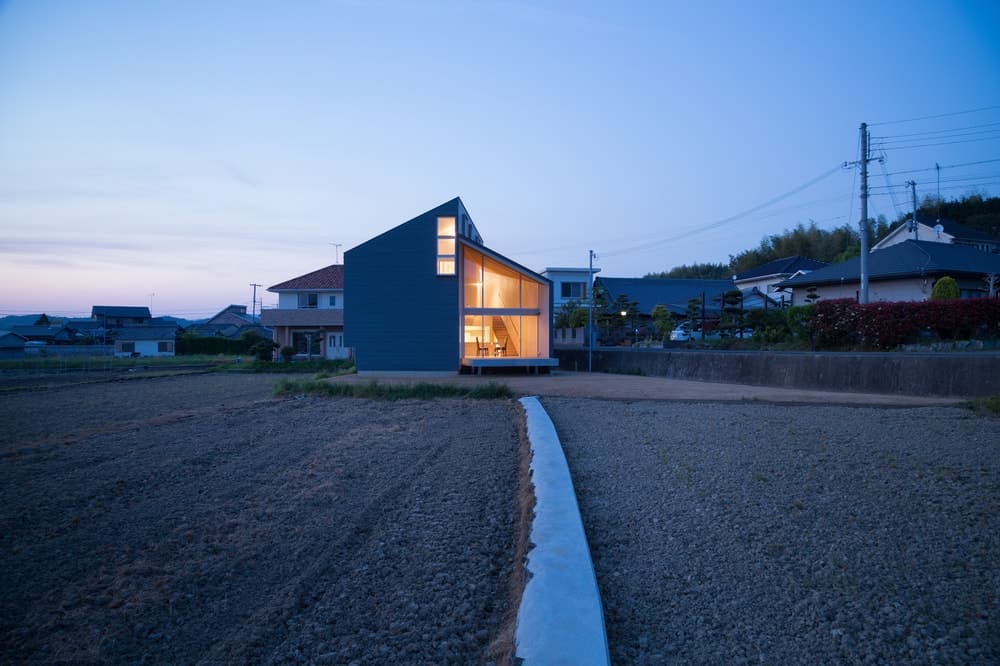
[(120, 311), (674, 294), (331, 277), (959, 231), (146, 333), (234, 315), (907, 259), (83, 324), (785, 266), (38, 332)]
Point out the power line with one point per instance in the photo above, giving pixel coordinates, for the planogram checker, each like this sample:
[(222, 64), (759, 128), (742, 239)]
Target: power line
[(939, 115), (885, 141), (943, 166), (727, 220), (943, 189), (941, 131), (965, 179), (929, 145)]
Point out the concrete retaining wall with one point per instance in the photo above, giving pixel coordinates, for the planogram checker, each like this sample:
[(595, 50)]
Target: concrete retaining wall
[(936, 374)]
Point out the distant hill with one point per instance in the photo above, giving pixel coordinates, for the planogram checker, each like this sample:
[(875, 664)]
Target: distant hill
[(26, 320)]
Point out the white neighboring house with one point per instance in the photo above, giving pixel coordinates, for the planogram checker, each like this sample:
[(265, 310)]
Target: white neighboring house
[(569, 285), (763, 278), (145, 341), (310, 314), (905, 271), (940, 231)]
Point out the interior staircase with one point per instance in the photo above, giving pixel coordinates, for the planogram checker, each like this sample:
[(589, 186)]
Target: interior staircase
[(500, 334)]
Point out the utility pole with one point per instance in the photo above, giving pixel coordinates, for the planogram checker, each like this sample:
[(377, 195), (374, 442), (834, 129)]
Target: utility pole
[(590, 312), (863, 296), (336, 252), (863, 162), (916, 224), (254, 304)]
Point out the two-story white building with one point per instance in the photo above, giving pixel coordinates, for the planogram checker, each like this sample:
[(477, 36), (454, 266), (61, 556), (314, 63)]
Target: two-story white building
[(570, 285), (310, 314)]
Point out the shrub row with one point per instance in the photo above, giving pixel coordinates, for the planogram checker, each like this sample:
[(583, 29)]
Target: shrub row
[(883, 325), (248, 344)]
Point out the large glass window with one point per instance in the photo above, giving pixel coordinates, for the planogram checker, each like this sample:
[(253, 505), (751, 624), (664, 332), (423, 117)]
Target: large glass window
[(308, 301), (473, 276), (502, 309)]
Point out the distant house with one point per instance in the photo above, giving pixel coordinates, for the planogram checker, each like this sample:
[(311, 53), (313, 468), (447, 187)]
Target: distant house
[(87, 329), (145, 341), (232, 323), (675, 293), (120, 316), (11, 343), (49, 335), (570, 285), (764, 277), (429, 296), (903, 271), (310, 314), (940, 231)]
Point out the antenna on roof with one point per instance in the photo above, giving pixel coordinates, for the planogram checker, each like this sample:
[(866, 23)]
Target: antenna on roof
[(336, 252)]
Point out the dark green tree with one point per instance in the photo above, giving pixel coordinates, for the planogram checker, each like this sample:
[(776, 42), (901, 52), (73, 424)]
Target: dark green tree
[(664, 321), (696, 272)]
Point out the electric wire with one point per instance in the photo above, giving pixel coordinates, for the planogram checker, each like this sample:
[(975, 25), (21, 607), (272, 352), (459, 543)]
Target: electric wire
[(940, 131), (727, 220), (944, 143), (885, 175), (944, 166), (938, 115)]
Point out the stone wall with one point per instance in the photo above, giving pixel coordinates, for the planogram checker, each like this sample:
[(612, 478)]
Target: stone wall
[(942, 374)]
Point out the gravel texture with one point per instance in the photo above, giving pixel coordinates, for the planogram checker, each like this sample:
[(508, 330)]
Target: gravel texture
[(752, 533), (196, 520)]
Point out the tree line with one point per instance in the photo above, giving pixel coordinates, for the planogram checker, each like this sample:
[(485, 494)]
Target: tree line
[(843, 242)]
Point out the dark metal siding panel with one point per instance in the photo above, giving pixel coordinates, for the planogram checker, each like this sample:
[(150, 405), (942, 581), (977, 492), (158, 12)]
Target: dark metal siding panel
[(399, 314)]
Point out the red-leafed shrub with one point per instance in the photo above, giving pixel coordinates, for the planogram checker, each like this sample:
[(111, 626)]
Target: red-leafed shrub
[(886, 325), (835, 323)]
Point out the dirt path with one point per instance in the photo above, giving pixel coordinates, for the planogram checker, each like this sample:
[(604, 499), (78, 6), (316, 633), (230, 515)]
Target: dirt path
[(633, 387), (195, 519)]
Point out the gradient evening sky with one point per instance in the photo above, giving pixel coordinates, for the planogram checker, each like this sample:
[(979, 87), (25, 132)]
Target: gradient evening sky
[(189, 148)]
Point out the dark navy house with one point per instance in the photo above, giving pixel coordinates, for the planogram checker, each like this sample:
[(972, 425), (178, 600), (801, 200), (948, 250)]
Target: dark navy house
[(428, 296)]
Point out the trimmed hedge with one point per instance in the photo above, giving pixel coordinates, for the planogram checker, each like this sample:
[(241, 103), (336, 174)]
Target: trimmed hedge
[(197, 344), (887, 325)]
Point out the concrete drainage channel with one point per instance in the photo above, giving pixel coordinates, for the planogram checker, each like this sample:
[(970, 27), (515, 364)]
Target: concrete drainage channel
[(560, 619)]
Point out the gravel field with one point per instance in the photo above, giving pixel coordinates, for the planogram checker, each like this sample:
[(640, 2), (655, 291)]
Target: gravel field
[(754, 533), (196, 520)]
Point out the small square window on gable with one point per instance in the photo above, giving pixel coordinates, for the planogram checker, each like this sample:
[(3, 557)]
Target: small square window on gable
[(446, 246)]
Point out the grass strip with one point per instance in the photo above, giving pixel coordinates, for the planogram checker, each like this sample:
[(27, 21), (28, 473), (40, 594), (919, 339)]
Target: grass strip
[(376, 391), (986, 405)]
